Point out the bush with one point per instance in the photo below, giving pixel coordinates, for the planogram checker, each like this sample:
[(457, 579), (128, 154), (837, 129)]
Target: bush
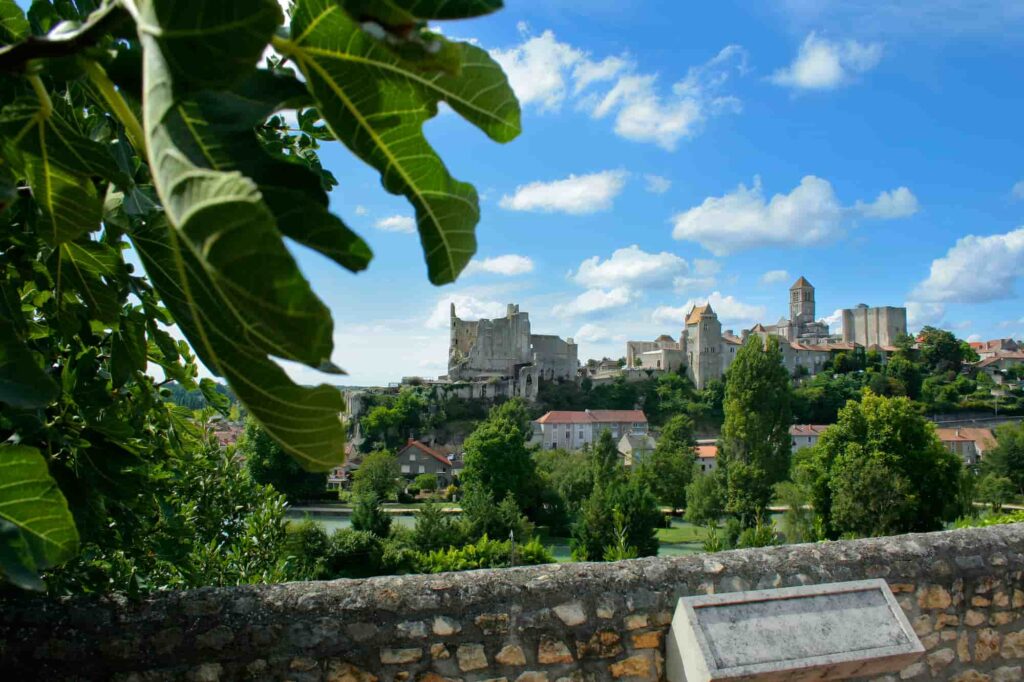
[(368, 515), (435, 529), (354, 554), (308, 547), (484, 553)]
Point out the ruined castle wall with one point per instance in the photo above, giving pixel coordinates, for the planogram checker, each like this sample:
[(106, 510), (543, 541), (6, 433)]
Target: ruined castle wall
[(963, 592), (491, 346), (554, 357)]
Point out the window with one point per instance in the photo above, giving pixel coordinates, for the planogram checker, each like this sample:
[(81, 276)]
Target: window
[(422, 469), (405, 468), (412, 456)]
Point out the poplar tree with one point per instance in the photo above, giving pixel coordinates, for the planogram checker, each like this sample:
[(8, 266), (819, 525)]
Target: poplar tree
[(755, 446)]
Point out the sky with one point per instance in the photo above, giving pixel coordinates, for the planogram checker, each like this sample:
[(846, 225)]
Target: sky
[(674, 153)]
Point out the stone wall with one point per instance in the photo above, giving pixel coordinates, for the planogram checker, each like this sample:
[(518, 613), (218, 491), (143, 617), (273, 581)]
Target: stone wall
[(963, 591)]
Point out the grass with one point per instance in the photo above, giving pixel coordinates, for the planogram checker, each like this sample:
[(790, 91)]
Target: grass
[(681, 532)]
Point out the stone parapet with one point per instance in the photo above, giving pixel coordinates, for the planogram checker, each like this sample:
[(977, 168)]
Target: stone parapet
[(963, 592)]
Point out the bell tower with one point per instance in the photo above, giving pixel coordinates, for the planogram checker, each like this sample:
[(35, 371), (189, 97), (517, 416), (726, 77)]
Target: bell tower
[(801, 303)]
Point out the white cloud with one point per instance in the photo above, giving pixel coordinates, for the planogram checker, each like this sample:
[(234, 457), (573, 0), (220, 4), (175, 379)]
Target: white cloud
[(657, 184), (644, 114), (728, 308), (538, 69), (775, 277), (810, 214), (1017, 192), (835, 321), (397, 223), (701, 277), (467, 307), (823, 65), (899, 203), (631, 266), (509, 264), (362, 210), (576, 194), (595, 300), (545, 72), (920, 314), (594, 333), (976, 270)]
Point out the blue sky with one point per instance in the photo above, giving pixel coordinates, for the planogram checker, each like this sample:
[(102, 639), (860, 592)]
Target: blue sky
[(673, 152)]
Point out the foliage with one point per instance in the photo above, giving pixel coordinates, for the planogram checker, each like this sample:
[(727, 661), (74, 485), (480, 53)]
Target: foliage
[(669, 469), (713, 541), (941, 351), (485, 553), (755, 444), (879, 470), (354, 554), (378, 474), (116, 130), (604, 458), (308, 547), (436, 529), (1006, 459), (204, 521), (270, 465), (798, 519), (196, 398), (759, 535), (594, 529), (394, 419), (498, 461), (619, 549), (369, 516), (705, 497), (995, 491), (1016, 516), (425, 482), (482, 516)]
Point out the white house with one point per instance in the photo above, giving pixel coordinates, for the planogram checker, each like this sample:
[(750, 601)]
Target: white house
[(573, 430)]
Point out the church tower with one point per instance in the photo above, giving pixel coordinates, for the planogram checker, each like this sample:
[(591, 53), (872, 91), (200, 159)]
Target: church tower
[(801, 303)]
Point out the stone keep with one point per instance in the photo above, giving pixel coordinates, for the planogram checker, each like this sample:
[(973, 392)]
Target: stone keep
[(817, 632), (502, 347), (874, 326)]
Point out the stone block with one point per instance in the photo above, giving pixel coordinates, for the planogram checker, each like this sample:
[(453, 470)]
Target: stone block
[(934, 597), (1008, 674), (602, 644), (634, 666), (974, 618), (444, 626), (340, 671), (987, 644), (1013, 645), (439, 652), (776, 634), (412, 629), (389, 656), (533, 676), (647, 640), (571, 613), (635, 621), (972, 676), (939, 660), (471, 657), (492, 623), (552, 651), (511, 654)]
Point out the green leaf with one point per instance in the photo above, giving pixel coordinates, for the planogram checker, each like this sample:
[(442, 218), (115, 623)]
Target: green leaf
[(57, 161), (31, 502), (376, 103), (23, 383), (13, 24), (82, 267), (127, 350), (209, 43), (214, 398), (396, 12), (303, 419), (16, 564), (216, 127)]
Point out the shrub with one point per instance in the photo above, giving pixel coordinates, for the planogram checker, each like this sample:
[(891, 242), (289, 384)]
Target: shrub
[(308, 546), (484, 553), (354, 554)]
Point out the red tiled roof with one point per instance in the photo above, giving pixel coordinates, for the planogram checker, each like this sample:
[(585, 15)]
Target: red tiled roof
[(952, 435), (592, 417), (1008, 355), (426, 450), (707, 451), (800, 283), (807, 429)]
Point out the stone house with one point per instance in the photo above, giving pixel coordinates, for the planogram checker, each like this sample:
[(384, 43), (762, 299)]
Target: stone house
[(634, 447), (572, 430), (969, 444), (805, 435), (707, 456), (988, 349), (418, 458)]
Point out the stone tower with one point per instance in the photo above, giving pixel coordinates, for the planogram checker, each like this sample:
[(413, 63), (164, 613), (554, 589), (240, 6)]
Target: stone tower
[(801, 303), (702, 344)]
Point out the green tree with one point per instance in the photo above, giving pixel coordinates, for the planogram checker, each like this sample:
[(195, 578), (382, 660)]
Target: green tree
[(516, 412), (378, 474), (270, 465), (436, 529), (604, 458), (941, 351), (426, 482), (395, 420), (669, 469), (705, 498), (1006, 459), (880, 470), (908, 375), (97, 98), (497, 460), (595, 528), (995, 491), (368, 515), (755, 444)]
